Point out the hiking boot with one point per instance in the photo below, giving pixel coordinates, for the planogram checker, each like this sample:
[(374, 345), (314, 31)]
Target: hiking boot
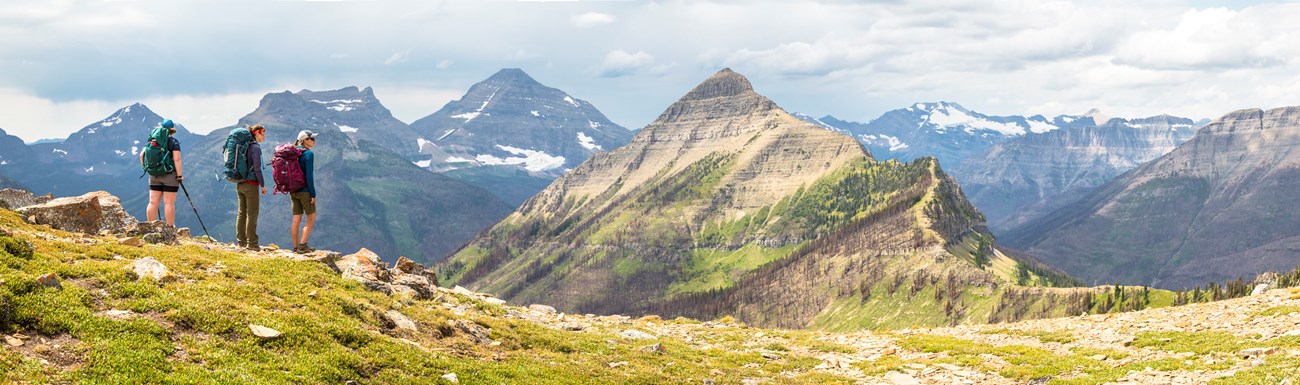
[(253, 247), (304, 249), (297, 249)]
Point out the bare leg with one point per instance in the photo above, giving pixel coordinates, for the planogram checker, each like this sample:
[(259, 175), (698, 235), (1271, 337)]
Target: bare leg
[(169, 207), (294, 230), (306, 230), (154, 197)]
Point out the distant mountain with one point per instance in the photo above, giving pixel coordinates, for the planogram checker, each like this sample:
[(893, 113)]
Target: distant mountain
[(352, 111), (368, 194), (1219, 206), (104, 155), (514, 135), (943, 130), (13, 151), (1031, 175), (726, 204)]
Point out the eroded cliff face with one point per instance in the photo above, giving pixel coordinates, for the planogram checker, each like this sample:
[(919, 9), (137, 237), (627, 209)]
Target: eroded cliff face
[(727, 204), (1217, 207), (1030, 176)]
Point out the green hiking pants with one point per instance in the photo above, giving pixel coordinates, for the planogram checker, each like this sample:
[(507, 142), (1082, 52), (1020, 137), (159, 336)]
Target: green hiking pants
[(246, 219)]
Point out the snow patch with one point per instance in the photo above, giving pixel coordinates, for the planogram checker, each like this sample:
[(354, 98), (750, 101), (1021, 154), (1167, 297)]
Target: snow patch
[(420, 142), (457, 159), (424, 163), (119, 152), (134, 149), (593, 125), (468, 116), (571, 101), (535, 113), (340, 104), (588, 142), (61, 152), (346, 128), (90, 169), (894, 143), (530, 159), (952, 117), (3, 162), (1040, 127), (444, 136)]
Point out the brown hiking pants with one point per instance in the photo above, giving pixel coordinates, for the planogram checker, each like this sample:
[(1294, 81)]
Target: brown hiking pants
[(246, 219)]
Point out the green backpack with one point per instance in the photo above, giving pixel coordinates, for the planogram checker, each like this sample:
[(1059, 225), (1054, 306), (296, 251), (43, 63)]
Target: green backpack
[(158, 153)]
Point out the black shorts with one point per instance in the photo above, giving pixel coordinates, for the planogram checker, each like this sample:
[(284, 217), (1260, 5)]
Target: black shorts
[(164, 183)]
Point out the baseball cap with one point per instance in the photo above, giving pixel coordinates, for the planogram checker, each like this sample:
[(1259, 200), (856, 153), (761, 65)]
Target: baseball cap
[(306, 134)]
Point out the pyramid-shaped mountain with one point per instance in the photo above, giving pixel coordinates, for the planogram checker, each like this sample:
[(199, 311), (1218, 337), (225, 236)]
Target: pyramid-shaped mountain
[(1029, 176), (103, 155), (512, 120), (727, 204), (352, 111), (367, 195), (1219, 206)]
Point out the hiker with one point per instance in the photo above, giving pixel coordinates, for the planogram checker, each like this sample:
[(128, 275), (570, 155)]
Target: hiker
[(248, 181), (161, 159), (304, 199)]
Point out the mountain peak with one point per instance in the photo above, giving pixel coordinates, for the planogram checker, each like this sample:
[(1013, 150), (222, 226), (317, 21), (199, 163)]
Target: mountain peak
[(722, 84), (512, 75)]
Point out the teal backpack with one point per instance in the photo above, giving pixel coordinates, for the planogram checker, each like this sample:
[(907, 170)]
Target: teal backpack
[(158, 153), (235, 153)]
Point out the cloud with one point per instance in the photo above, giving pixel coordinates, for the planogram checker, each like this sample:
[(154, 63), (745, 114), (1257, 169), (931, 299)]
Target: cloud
[(398, 57), (444, 64), (620, 63), (591, 19), (1217, 39)]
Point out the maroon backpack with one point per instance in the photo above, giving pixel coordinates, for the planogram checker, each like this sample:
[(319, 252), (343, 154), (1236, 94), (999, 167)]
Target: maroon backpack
[(285, 170)]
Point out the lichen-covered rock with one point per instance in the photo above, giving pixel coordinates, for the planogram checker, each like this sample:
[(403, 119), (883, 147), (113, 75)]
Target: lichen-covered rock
[(14, 199), (90, 213), (151, 268), (156, 232)]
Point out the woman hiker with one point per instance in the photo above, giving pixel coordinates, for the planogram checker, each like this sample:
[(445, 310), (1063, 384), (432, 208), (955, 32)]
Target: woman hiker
[(164, 168), (249, 201), (304, 200)]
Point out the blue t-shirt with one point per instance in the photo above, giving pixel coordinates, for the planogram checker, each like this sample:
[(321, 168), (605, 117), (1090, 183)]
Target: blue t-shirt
[(305, 161)]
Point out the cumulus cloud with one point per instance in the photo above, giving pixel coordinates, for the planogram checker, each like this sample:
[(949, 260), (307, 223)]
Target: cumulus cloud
[(591, 19), (398, 57), (620, 63), (1216, 39)]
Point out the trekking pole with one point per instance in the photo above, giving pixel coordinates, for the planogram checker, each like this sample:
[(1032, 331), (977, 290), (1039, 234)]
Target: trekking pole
[(196, 211)]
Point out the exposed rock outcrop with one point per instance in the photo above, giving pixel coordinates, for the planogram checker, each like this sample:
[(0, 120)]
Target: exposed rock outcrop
[(14, 199), (91, 213), (408, 277)]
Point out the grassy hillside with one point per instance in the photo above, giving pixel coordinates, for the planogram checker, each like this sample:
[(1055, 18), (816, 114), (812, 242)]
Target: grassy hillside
[(103, 326)]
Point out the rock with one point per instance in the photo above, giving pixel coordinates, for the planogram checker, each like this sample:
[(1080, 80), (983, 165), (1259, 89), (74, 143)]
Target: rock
[(478, 333), (117, 314), (365, 266), (494, 301), (408, 266), (617, 364), (49, 280), (400, 320), (1259, 289), (573, 327), (771, 356), (656, 348), (463, 291), (131, 241), (634, 334), (650, 318), (183, 232), (263, 332), (89, 213), (542, 309), (14, 199), (13, 341), (156, 232), (151, 268), (1257, 352), (451, 377)]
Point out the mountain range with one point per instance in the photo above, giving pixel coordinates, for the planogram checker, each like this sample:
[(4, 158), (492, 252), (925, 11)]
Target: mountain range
[(1217, 207), (727, 204)]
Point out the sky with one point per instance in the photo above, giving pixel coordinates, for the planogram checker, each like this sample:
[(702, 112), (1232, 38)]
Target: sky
[(205, 64)]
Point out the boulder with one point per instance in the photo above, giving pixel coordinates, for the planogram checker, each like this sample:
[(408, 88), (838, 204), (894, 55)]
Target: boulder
[(544, 309), (90, 213), (400, 321), (49, 280), (477, 333), (634, 334), (183, 232), (156, 232), (363, 266), (654, 349), (14, 199), (451, 377), (131, 241)]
